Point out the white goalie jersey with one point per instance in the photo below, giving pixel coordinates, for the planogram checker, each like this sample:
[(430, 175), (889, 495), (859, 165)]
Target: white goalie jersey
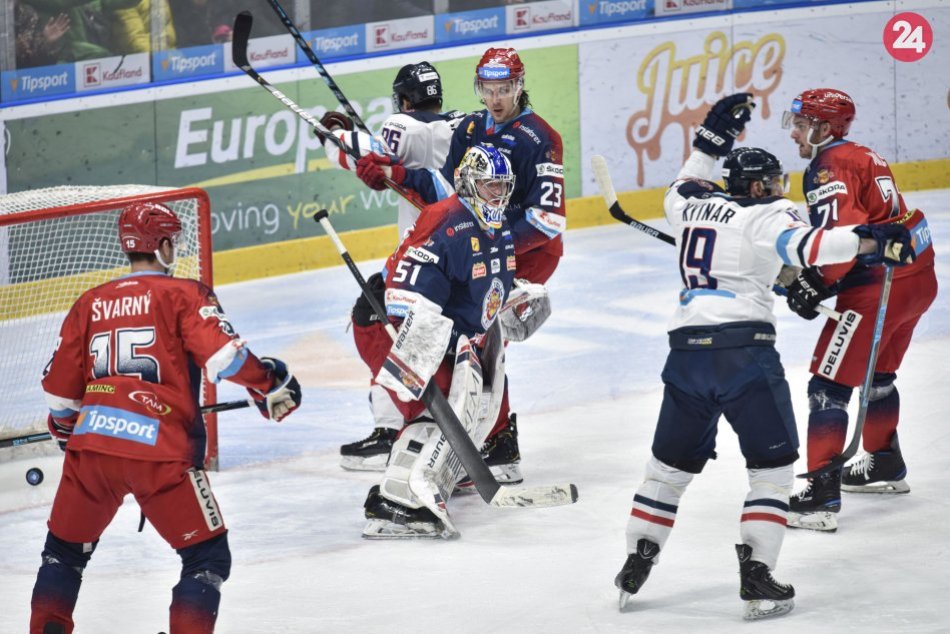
[(420, 139), (732, 249)]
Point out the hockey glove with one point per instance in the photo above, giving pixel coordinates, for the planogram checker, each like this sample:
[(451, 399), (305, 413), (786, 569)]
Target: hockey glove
[(373, 169), (333, 121), (61, 429), (806, 292), (283, 398), (723, 123), (892, 245)]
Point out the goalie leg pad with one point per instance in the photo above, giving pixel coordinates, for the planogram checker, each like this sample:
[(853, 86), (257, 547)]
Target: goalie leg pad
[(417, 352)]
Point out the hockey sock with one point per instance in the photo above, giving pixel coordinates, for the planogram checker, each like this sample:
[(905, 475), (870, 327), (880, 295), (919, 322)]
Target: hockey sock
[(827, 420), (765, 512), (57, 583), (884, 405), (655, 504), (196, 597), (502, 421)]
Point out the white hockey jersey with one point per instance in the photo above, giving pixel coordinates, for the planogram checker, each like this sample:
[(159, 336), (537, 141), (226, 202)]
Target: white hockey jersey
[(420, 139), (732, 249)]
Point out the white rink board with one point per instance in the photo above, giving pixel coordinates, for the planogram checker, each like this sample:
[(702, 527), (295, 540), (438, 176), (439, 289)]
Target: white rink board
[(642, 93)]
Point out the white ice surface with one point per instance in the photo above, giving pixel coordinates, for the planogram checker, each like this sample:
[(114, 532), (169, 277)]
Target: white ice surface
[(587, 391)]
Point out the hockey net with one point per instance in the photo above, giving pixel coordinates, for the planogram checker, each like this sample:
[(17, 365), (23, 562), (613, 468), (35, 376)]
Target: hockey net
[(55, 244)]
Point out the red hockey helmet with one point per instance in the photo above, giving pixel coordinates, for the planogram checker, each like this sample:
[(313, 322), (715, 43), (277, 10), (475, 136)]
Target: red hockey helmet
[(826, 104), (499, 64), (143, 225)]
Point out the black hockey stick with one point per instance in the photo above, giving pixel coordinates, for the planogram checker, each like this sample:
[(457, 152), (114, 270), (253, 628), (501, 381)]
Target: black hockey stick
[(852, 448), (305, 47), (602, 176), (241, 34), (17, 441), (488, 488)]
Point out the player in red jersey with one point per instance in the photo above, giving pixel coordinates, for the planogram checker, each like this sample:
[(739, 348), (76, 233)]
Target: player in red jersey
[(849, 184), (122, 388)]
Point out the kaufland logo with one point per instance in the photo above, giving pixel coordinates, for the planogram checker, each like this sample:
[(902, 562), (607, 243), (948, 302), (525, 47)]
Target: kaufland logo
[(381, 35), (90, 75), (94, 76), (384, 36), (270, 54), (523, 18)]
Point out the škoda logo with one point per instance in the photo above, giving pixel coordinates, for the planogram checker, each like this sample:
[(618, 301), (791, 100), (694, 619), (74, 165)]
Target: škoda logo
[(679, 92)]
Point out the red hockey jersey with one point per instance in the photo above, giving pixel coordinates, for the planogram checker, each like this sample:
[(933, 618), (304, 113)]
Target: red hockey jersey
[(129, 361)]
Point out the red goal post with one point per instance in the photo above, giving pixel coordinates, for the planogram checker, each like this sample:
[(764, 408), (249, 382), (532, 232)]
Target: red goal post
[(55, 244)]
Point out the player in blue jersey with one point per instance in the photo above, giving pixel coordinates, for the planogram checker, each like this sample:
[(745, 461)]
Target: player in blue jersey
[(722, 360), (536, 212), (447, 281)]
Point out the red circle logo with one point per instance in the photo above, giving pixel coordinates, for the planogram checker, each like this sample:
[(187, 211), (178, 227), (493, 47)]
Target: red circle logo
[(908, 36)]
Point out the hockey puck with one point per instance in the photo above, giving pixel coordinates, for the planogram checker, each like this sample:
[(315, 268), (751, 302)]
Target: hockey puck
[(34, 476)]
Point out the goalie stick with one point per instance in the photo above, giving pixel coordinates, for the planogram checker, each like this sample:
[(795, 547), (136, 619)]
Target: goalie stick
[(305, 47), (491, 492), (18, 441), (848, 320), (241, 34)]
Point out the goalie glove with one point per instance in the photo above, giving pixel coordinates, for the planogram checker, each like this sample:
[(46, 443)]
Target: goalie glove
[(527, 307), (723, 123), (283, 398)]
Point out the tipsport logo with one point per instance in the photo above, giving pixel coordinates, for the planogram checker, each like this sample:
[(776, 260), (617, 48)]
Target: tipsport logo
[(113, 422)]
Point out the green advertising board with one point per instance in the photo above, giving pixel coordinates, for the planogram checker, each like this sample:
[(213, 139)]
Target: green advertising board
[(265, 172)]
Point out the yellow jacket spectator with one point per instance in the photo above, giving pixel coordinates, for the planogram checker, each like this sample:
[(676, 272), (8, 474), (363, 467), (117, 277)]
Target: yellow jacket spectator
[(131, 29)]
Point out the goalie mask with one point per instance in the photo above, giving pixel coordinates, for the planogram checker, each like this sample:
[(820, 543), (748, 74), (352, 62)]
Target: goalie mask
[(419, 84), (745, 165), (143, 226), (484, 179)]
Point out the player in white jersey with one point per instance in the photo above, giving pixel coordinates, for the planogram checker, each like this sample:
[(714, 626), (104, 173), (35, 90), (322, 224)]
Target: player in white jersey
[(419, 133), (722, 361)]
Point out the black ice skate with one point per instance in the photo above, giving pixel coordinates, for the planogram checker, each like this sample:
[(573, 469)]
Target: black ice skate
[(878, 472), (764, 596), (371, 453), (636, 570), (502, 456), (817, 506), (390, 520)]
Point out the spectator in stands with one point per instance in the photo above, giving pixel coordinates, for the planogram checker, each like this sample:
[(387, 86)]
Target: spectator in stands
[(37, 45), (88, 34), (131, 27)]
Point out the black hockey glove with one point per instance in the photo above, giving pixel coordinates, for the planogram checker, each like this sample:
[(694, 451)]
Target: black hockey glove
[(894, 246), (806, 292), (333, 120), (723, 123)]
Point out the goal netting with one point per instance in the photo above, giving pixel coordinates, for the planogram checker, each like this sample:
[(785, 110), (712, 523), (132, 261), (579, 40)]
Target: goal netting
[(56, 243)]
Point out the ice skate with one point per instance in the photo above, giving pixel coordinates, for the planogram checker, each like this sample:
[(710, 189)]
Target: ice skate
[(878, 472), (816, 507), (636, 570), (371, 453), (502, 456), (764, 596), (390, 520)]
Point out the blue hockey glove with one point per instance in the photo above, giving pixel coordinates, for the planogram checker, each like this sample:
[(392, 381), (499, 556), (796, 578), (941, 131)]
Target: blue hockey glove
[(723, 123), (893, 245), (284, 397)]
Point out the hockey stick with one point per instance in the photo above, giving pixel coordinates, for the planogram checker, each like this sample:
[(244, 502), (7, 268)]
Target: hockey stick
[(602, 176), (241, 34), (488, 488), (852, 448), (305, 47), (17, 441)]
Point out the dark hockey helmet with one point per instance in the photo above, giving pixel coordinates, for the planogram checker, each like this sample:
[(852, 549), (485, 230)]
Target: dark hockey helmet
[(745, 165), (419, 84), (823, 104), (143, 225)]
